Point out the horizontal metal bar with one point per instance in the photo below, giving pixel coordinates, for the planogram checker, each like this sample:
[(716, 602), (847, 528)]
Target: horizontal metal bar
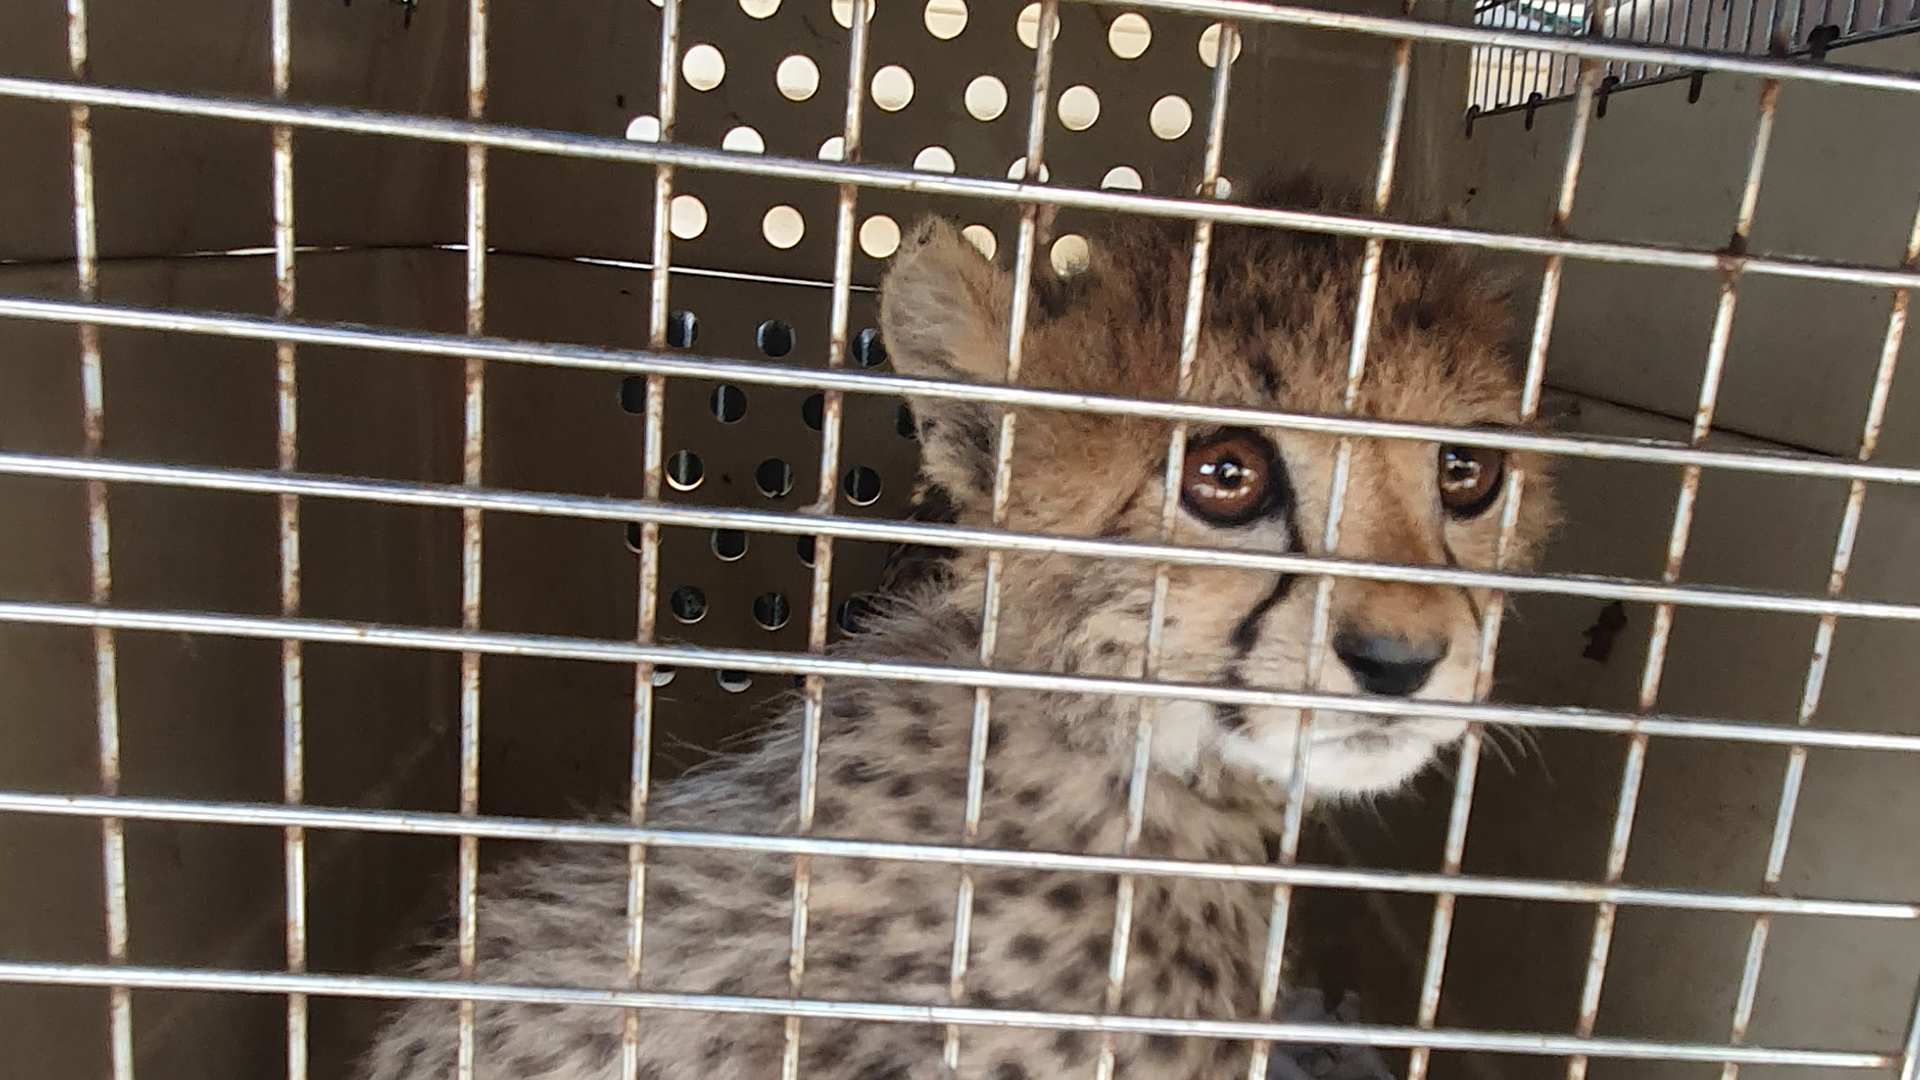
[(606, 148), (459, 496), (681, 365), (629, 652), (422, 823), (1566, 45), (369, 986)]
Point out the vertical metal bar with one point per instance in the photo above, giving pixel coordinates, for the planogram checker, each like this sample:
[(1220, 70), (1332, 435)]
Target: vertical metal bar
[(640, 769), (1027, 240), (1822, 652), (287, 443), (113, 837), (1440, 936), (1289, 848), (820, 600), (1910, 1050), (1633, 771), (471, 460)]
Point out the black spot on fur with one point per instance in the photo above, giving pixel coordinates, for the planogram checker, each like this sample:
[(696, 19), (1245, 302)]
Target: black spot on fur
[(1210, 914), (920, 819), (730, 986), (902, 787), (1031, 948), (855, 773), (883, 1068), (903, 966), (919, 737), (1031, 796), (1098, 949), (1163, 1047), (1012, 884), (716, 1050), (1163, 982), (1201, 971), (777, 886), (604, 1047), (1011, 836), (996, 734), (1230, 717), (1008, 1070), (1071, 1046), (1066, 898), (844, 961), (829, 812), (1146, 943)]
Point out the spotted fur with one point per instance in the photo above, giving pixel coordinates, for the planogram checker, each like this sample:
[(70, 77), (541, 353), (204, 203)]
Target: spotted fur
[(893, 756)]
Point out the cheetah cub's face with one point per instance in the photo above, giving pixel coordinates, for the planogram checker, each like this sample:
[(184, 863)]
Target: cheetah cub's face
[(1276, 335)]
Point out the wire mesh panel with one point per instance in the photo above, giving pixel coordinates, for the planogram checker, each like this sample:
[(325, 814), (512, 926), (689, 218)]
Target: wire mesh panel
[(1506, 78), (360, 541)]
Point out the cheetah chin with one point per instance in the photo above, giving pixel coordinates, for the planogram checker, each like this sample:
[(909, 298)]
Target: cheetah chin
[(893, 757)]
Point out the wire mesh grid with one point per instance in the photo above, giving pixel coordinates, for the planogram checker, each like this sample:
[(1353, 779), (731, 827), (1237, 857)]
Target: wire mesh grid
[(653, 661), (1507, 78)]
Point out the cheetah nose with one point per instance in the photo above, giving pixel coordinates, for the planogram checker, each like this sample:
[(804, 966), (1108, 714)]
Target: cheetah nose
[(1389, 664)]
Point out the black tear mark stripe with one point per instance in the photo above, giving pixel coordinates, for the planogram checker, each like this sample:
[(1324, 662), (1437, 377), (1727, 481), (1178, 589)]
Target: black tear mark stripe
[(1473, 606), (1246, 634)]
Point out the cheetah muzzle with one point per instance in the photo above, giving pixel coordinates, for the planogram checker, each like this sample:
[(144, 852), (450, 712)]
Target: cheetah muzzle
[(893, 756)]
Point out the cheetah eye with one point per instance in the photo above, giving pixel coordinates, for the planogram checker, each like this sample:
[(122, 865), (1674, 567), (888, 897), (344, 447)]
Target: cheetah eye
[(1470, 479), (1232, 478)]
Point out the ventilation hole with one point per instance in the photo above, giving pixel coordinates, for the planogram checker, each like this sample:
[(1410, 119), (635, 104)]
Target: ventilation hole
[(687, 217), (774, 478), (663, 675), (774, 338), (862, 486), (1018, 170), (1027, 25), (684, 471), (1222, 189), (644, 129), (813, 410), (879, 236), (854, 615), (1129, 35), (892, 88), (1069, 255), (946, 18), (1210, 46), (734, 682), (759, 9), (803, 547), (1171, 117), (743, 140), (903, 422), (981, 238), (633, 394), (1079, 107), (834, 149), (843, 12), (986, 99), (683, 329), (633, 537), (1122, 178), (771, 611), (783, 227), (797, 77), (729, 545), (688, 604), (934, 159), (868, 349), (703, 67)]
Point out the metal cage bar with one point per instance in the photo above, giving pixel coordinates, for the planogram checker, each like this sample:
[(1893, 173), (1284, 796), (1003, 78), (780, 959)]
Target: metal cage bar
[(669, 155), (1633, 771), (361, 986), (287, 459), (1460, 812), (86, 260), (379, 635), (640, 766), (1795, 772), (472, 459), (819, 600)]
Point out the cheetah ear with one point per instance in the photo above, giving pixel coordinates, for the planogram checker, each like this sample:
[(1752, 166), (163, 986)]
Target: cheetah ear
[(944, 308), (944, 315)]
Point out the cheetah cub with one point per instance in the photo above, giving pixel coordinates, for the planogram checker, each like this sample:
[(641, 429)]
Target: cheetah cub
[(893, 756)]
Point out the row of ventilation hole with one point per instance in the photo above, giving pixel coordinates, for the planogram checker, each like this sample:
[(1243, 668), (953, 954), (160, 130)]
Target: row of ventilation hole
[(1129, 35), (879, 235)]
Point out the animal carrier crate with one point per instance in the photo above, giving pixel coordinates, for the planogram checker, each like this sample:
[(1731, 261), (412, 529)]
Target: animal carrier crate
[(427, 428)]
